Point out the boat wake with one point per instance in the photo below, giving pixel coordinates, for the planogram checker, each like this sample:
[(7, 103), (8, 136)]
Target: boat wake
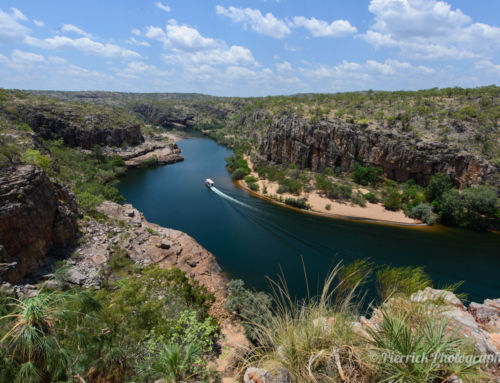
[(224, 195)]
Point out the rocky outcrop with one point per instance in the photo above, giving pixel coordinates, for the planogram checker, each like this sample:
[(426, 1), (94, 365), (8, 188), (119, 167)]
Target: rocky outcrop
[(35, 215), (159, 153), (337, 144), (479, 322)]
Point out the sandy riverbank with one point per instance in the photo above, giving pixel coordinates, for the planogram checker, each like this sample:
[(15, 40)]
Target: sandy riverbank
[(372, 212)]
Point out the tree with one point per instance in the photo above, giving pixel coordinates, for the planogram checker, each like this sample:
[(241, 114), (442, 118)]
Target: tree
[(438, 185)]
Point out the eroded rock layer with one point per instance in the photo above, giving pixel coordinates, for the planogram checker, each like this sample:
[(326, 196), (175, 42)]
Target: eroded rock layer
[(35, 215)]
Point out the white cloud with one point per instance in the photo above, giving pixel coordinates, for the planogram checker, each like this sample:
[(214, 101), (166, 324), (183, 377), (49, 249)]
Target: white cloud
[(140, 43), (223, 55), (11, 29), (284, 67), (21, 57), (189, 47), (180, 37), (430, 29), (18, 14), (320, 28), (352, 75), (68, 28), (84, 44), (38, 23), (136, 31), (266, 24), (488, 66), (139, 69), (162, 6)]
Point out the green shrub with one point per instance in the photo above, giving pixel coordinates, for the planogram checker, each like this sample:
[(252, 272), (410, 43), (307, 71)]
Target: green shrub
[(475, 208), (371, 197), (290, 185), (358, 199), (253, 186), (151, 161), (298, 203), (392, 200), (252, 307), (328, 207), (239, 174), (438, 185), (423, 212), (250, 179), (366, 175), (34, 157)]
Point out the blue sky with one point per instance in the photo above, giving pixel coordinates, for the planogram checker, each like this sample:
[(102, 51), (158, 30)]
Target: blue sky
[(248, 47)]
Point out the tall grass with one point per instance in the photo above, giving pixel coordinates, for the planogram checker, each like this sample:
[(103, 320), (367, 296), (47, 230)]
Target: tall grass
[(318, 339)]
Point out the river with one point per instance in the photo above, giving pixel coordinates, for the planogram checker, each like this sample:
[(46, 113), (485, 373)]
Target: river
[(253, 238)]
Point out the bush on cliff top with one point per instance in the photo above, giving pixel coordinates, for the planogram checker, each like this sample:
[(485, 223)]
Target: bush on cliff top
[(116, 334)]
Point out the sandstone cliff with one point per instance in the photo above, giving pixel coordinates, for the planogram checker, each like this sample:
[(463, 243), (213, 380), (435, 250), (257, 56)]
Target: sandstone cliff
[(332, 143), (84, 134), (35, 215)]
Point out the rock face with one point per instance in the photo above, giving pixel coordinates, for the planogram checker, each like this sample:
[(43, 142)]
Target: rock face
[(144, 243), (330, 143), (152, 154), (84, 132), (35, 215)]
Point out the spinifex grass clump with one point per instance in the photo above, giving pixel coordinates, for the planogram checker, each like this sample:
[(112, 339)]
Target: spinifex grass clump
[(319, 339)]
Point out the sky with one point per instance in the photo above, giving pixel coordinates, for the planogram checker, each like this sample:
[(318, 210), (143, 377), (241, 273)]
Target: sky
[(248, 47)]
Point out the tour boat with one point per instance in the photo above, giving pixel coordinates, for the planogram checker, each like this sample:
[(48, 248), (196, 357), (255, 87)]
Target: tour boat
[(209, 183)]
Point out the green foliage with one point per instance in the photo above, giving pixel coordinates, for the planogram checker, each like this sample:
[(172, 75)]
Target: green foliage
[(31, 336), (438, 185), (290, 185), (358, 199), (236, 161), (366, 175), (119, 333), (423, 212), (191, 328), (332, 189), (352, 278), (9, 153), (250, 179), (151, 161), (252, 307), (239, 174), (34, 157), (298, 203), (90, 179), (371, 197), (401, 280), (392, 200), (253, 186), (419, 347), (475, 208)]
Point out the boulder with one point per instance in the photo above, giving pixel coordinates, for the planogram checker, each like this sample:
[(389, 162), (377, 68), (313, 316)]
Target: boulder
[(258, 375)]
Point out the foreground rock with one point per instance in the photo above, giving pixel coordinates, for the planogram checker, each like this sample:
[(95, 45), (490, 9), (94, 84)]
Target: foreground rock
[(128, 233), (35, 216)]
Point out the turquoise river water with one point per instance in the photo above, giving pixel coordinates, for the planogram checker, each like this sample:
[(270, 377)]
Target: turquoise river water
[(253, 238)]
